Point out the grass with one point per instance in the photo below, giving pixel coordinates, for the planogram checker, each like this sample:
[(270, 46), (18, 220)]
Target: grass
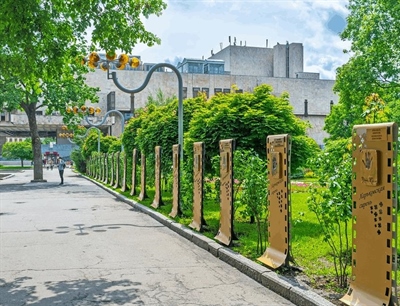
[(3, 167)]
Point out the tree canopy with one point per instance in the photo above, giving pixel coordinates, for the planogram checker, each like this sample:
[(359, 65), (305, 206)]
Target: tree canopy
[(249, 118), (373, 29), (107, 144), (158, 125), (42, 44), (21, 150)]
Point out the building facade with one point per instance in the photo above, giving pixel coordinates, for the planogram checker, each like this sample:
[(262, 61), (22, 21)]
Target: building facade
[(239, 67)]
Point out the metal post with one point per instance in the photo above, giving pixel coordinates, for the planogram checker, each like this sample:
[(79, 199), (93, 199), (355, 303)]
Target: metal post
[(133, 104)]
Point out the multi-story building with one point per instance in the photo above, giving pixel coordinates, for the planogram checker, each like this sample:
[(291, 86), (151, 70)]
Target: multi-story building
[(235, 66)]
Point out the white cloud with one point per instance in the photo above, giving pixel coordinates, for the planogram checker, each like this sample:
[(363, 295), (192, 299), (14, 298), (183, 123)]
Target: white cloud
[(192, 28)]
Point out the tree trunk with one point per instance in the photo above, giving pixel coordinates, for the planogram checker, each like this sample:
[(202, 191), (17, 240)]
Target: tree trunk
[(30, 110), (22, 162)]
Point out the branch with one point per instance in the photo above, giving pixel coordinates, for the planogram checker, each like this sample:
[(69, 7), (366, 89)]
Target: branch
[(39, 106), (386, 83)]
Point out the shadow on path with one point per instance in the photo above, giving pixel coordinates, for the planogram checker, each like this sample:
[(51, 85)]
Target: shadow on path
[(81, 229), (69, 293), (30, 186)]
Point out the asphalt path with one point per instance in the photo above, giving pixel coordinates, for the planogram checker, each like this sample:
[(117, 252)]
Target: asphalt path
[(78, 245)]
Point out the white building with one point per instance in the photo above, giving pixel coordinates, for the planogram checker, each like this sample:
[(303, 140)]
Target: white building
[(244, 67)]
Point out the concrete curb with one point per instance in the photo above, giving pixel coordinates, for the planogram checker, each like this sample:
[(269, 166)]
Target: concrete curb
[(285, 287), (6, 176)]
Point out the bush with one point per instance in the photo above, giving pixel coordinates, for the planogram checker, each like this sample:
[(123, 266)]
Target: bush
[(79, 160)]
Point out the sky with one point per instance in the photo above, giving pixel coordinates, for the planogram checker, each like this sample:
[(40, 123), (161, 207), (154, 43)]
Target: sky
[(192, 28)]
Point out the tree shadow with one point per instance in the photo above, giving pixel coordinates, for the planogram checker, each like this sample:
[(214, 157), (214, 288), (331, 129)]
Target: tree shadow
[(13, 293), (29, 186), (82, 229), (77, 292), (26, 186)]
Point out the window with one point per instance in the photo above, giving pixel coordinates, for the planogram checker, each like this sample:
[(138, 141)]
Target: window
[(184, 90), (2, 117), (216, 69), (217, 90), (39, 113), (196, 91), (239, 91), (111, 101), (195, 68), (206, 91), (227, 90)]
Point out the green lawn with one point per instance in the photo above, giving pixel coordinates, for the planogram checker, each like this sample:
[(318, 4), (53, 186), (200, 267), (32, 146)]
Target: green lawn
[(14, 168)]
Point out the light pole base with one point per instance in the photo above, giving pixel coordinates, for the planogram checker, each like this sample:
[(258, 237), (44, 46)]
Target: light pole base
[(38, 181)]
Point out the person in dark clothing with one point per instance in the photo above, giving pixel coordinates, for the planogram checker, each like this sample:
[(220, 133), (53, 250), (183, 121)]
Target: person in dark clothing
[(61, 167)]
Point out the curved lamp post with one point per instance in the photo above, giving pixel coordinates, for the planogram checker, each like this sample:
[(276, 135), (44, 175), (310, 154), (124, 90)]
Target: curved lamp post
[(113, 76), (104, 119), (82, 136), (94, 60), (98, 136)]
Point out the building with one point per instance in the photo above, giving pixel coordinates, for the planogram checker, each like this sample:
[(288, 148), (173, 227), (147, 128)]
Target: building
[(241, 66)]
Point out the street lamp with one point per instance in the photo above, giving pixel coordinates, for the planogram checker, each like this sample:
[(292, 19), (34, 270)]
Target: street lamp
[(104, 119), (94, 60), (92, 111), (87, 131)]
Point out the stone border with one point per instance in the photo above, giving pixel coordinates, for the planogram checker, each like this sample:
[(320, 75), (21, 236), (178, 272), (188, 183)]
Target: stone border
[(6, 176), (283, 286)]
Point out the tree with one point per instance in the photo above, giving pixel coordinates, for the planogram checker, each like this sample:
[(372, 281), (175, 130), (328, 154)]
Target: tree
[(108, 144), (373, 29), (251, 191), (159, 99), (21, 150), (248, 118), (157, 125), (41, 46), (331, 201), (47, 140)]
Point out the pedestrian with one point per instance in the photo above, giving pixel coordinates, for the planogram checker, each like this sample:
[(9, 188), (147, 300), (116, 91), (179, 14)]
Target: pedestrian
[(61, 167), (51, 164)]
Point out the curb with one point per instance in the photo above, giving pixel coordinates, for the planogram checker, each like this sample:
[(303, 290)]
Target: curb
[(6, 176), (283, 286)]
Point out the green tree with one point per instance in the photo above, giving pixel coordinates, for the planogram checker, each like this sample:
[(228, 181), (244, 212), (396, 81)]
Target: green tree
[(375, 109), (250, 172), (107, 144), (373, 29), (18, 150), (331, 201), (158, 126), (248, 118), (79, 160), (41, 44), (159, 99), (47, 140)]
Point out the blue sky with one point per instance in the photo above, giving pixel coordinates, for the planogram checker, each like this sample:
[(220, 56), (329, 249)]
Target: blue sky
[(192, 28)]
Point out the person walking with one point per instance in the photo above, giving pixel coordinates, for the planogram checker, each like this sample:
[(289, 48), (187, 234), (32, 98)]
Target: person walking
[(61, 167)]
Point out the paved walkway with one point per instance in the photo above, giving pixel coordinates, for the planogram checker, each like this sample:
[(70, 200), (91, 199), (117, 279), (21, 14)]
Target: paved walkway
[(77, 244)]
